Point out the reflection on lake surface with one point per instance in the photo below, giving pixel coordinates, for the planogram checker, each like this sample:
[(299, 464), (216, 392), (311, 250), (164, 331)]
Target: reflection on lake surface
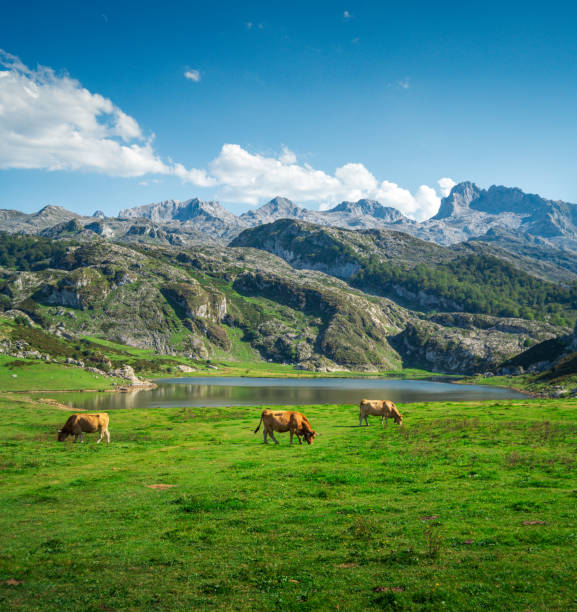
[(223, 391)]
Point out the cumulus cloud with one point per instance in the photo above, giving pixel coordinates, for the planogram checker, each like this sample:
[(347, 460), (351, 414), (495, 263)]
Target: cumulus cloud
[(346, 15), (51, 122), (252, 179), (445, 185), (192, 75)]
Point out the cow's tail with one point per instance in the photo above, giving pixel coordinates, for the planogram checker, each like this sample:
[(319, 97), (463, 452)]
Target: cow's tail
[(259, 424)]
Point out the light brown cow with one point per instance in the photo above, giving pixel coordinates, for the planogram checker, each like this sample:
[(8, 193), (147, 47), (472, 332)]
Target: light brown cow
[(286, 420), (383, 408), (77, 424)]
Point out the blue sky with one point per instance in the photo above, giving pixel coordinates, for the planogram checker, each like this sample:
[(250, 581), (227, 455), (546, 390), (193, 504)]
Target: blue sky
[(318, 101)]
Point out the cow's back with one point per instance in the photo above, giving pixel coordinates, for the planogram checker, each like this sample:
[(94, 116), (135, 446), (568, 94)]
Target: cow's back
[(90, 423), (372, 407), (277, 420)]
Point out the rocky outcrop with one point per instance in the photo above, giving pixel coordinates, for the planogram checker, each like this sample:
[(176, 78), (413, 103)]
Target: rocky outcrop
[(127, 373), (82, 288), (552, 359), (194, 301), (466, 348), (352, 330)]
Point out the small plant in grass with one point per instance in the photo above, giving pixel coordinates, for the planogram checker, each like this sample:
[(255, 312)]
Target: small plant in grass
[(434, 540), (364, 527)]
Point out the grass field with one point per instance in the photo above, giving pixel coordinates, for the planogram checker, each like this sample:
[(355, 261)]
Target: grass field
[(466, 507)]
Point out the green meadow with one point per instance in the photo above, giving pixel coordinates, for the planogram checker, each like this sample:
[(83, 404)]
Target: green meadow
[(467, 506)]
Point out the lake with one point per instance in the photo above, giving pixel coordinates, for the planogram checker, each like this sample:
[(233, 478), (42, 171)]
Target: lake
[(225, 391)]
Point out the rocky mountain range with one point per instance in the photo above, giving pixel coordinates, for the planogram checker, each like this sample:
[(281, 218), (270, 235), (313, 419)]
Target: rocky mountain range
[(467, 212), (358, 286), (498, 215)]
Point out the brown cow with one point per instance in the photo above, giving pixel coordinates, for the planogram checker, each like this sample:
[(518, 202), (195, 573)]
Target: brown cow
[(286, 420), (383, 408), (77, 424)]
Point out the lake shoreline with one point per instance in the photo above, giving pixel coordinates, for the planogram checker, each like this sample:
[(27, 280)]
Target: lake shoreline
[(216, 392)]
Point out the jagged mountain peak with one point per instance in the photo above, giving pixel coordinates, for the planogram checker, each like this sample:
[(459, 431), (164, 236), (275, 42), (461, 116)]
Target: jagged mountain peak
[(497, 199), (194, 207), (280, 201), (369, 207), (52, 209), (458, 200), (277, 208), (175, 210)]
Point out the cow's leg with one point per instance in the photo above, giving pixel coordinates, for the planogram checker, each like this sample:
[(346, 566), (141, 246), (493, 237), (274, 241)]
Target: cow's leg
[(271, 434), (291, 434), (264, 435), (382, 419), (99, 435), (361, 419), (300, 441), (366, 421), (107, 434)]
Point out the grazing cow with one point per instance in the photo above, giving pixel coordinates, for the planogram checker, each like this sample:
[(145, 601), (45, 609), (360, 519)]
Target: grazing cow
[(77, 424), (383, 408), (286, 420)]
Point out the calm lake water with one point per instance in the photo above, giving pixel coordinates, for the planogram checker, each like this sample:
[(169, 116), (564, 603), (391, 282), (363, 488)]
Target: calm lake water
[(223, 391)]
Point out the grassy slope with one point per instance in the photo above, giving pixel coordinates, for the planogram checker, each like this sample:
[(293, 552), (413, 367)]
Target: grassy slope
[(249, 526), (32, 374), (532, 383)]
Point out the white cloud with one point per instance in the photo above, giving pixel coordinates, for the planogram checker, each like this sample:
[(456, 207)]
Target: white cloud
[(195, 176), (446, 184), (346, 15), (287, 156), (252, 179), (51, 122), (400, 84), (192, 75)]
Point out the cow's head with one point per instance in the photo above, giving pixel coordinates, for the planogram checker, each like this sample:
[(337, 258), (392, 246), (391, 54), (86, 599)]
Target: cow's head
[(310, 436), (398, 418), (62, 435)]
